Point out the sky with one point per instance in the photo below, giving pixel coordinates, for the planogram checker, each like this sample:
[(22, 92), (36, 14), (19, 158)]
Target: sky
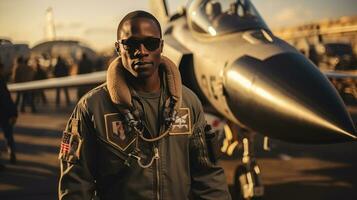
[(94, 22)]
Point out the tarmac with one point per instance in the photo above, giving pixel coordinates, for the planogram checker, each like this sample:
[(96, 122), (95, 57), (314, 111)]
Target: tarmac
[(288, 171)]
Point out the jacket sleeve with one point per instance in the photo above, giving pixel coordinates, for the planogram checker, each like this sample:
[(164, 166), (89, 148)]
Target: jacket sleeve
[(208, 180), (77, 157)]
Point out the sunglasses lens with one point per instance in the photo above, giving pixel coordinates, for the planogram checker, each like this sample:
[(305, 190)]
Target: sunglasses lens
[(151, 44), (130, 44)]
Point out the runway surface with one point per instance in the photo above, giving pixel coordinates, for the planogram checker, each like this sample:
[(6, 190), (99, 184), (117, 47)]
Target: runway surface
[(288, 171)]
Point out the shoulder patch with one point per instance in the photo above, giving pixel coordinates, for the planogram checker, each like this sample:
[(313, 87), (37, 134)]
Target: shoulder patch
[(182, 124), (70, 147), (115, 131)]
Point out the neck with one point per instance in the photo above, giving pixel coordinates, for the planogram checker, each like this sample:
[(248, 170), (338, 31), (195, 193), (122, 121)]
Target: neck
[(146, 84)]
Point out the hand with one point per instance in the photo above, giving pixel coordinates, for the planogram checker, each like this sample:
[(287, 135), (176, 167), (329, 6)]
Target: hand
[(12, 120)]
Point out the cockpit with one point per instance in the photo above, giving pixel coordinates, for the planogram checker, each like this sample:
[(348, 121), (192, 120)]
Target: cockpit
[(220, 17)]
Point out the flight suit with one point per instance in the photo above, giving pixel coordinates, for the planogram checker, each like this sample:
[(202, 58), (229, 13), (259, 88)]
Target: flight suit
[(100, 152)]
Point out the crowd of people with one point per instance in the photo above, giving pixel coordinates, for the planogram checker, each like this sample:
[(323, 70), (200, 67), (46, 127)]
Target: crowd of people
[(25, 70)]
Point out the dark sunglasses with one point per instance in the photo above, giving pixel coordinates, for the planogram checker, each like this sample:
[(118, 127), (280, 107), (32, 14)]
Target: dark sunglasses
[(150, 43)]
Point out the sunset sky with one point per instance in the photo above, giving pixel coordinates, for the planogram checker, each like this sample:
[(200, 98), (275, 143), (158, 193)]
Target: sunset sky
[(95, 22)]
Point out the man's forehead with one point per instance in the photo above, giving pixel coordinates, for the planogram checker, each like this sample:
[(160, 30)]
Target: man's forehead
[(141, 26)]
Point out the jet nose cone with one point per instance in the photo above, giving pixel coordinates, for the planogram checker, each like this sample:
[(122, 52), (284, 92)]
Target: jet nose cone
[(288, 98)]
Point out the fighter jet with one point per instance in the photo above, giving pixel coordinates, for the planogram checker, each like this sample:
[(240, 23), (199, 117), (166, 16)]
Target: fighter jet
[(230, 58), (244, 74)]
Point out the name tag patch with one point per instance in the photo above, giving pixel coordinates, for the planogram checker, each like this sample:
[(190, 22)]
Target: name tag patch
[(182, 123), (115, 130)]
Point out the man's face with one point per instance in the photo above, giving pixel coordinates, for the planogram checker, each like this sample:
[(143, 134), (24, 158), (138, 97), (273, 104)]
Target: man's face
[(140, 47)]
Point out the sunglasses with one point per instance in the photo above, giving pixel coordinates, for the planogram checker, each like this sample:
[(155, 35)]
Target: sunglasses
[(150, 43)]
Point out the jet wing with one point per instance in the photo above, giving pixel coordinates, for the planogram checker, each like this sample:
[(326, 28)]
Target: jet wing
[(341, 74), (68, 81)]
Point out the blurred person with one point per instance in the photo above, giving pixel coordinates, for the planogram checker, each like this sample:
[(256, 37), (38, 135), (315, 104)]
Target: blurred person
[(40, 74), (61, 69), (2, 71), (5, 76), (24, 73), (8, 116), (99, 64), (85, 66)]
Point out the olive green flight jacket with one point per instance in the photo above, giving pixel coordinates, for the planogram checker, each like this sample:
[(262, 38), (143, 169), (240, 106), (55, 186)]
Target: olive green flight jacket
[(97, 144)]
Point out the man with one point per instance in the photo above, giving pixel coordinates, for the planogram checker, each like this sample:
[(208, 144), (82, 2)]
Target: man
[(23, 73), (40, 74), (61, 69), (8, 116), (140, 135), (85, 66)]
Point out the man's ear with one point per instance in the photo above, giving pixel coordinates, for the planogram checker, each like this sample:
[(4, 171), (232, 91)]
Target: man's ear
[(117, 48), (162, 45)]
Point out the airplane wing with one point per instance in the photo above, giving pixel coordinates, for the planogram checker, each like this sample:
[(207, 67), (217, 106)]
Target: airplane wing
[(341, 74), (68, 81)]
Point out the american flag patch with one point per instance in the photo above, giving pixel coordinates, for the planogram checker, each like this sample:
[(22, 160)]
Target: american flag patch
[(65, 147)]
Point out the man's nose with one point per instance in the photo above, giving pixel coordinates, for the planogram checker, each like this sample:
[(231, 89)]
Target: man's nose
[(141, 51)]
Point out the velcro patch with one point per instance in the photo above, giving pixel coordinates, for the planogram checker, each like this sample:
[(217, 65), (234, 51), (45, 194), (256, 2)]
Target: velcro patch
[(70, 147), (115, 130), (182, 123)]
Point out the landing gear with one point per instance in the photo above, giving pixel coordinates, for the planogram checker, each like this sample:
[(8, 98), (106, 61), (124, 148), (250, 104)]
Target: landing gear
[(247, 181)]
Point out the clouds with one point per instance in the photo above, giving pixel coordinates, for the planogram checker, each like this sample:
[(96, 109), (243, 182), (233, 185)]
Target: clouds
[(100, 31), (287, 13), (68, 25), (292, 15), (96, 35), (78, 27)]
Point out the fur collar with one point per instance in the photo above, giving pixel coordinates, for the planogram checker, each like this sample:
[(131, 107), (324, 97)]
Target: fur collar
[(119, 91)]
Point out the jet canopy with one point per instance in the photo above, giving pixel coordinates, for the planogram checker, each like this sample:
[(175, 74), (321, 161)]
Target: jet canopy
[(223, 16)]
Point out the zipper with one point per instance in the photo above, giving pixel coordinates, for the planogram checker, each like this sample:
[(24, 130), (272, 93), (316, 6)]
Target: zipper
[(157, 179), (161, 126), (159, 150)]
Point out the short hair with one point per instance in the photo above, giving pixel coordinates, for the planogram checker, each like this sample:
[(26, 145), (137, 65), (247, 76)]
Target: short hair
[(137, 14)]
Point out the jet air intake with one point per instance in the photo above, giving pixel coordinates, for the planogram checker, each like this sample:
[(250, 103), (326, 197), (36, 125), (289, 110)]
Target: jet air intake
[(286, 97)]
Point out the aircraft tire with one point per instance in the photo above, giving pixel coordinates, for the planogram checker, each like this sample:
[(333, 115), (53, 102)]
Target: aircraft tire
[(240, 180)]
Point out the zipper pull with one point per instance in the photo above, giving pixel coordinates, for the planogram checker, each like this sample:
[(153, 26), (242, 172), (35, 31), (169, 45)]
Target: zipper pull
[(156, 153)]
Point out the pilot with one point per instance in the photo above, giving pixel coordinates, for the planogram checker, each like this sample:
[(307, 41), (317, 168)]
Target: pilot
[(213, 9), (140, 135)]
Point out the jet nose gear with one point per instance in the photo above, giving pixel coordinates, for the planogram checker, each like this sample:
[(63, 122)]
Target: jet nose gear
[(247, 181)]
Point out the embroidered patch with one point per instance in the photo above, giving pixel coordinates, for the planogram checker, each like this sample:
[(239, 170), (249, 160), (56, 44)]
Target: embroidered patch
[(70, 147), (182, 123), (115, 130), (65, 143), (118, 129)]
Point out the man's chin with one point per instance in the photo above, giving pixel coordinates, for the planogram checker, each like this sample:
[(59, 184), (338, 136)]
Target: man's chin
[(143, 74)]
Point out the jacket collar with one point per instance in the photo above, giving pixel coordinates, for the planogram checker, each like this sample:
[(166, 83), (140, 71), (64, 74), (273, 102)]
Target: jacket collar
[(120, 93)]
